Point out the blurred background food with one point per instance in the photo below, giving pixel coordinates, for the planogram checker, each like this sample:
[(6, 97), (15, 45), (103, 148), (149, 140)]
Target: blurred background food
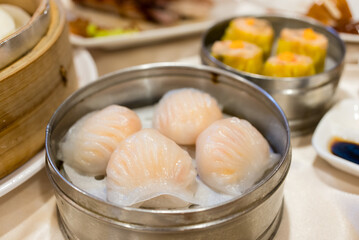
[(138, 15), (335, 13), (342, 15), (160, 11)]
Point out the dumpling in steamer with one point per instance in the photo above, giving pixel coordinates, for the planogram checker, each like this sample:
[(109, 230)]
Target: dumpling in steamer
[(89, 143), (182, 114), (150, 170), (231, 155)]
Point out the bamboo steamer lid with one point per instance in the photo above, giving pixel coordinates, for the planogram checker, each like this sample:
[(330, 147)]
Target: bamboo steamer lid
[(30, 91)]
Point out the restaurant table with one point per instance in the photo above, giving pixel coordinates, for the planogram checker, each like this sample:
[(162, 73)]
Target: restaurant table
[(320, 201)]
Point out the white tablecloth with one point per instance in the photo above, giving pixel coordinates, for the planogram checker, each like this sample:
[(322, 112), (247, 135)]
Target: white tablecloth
[(321, 202)]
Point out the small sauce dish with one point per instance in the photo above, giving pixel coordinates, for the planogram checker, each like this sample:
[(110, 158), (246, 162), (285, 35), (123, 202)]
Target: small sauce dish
[(337, 134)]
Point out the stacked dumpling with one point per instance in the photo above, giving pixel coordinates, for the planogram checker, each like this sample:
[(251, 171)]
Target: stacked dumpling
[(151, 168)]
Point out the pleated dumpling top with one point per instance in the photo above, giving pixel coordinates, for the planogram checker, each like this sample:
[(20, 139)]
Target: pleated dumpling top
[(150, 170), (89, 143), (231, 155), (182, 114)]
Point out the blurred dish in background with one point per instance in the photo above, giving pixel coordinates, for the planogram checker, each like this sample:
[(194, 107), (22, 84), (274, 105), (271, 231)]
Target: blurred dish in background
[(343, 15), (159, 11), (133, 16), (94, 28), (334, 13)]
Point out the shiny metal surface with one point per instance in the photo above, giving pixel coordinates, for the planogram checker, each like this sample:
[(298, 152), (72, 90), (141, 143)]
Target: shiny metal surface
[(254, 215), (25, 38), (304, 100)]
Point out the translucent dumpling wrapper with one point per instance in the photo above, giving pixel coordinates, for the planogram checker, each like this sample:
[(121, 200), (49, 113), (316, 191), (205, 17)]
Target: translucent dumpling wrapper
[(89, 143), (182, 114), (231, 155), (150, 170)]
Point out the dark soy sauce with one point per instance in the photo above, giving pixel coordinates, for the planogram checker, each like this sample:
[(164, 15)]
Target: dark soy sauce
[(345, 149)]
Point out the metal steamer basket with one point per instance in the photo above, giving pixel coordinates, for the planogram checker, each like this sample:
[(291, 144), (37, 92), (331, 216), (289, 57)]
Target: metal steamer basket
[(304, 100), (254, 215)]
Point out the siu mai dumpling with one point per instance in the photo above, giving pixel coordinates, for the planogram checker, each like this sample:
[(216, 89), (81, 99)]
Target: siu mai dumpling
[(241, 55), (89, 143), (254, 30), (182, 114), (288, 64), (231, 155), (304, 41), (150, 170)]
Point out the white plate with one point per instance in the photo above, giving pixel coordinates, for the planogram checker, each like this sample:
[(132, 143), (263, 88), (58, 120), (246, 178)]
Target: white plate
[(341, 121), (350, 38), (87, 72), (222, 9), (331, 124)]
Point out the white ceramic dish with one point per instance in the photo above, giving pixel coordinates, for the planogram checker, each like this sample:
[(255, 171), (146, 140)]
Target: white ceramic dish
[(350, 38), (85, 66), (341, 121), (87, 72), (222, 9)]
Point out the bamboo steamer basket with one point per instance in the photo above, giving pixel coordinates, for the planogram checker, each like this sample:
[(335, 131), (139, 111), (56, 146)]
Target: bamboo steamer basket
[(31, 88)]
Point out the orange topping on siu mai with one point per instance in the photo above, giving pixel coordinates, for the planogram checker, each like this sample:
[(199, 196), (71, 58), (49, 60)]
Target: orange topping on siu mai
[(287, 56), (236, 44), (309, 34), (250, 21)]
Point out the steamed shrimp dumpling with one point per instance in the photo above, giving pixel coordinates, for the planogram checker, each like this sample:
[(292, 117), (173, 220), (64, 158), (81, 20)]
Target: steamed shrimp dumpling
[(150, 170), (182, 114), (231, 155), (89, 143)]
